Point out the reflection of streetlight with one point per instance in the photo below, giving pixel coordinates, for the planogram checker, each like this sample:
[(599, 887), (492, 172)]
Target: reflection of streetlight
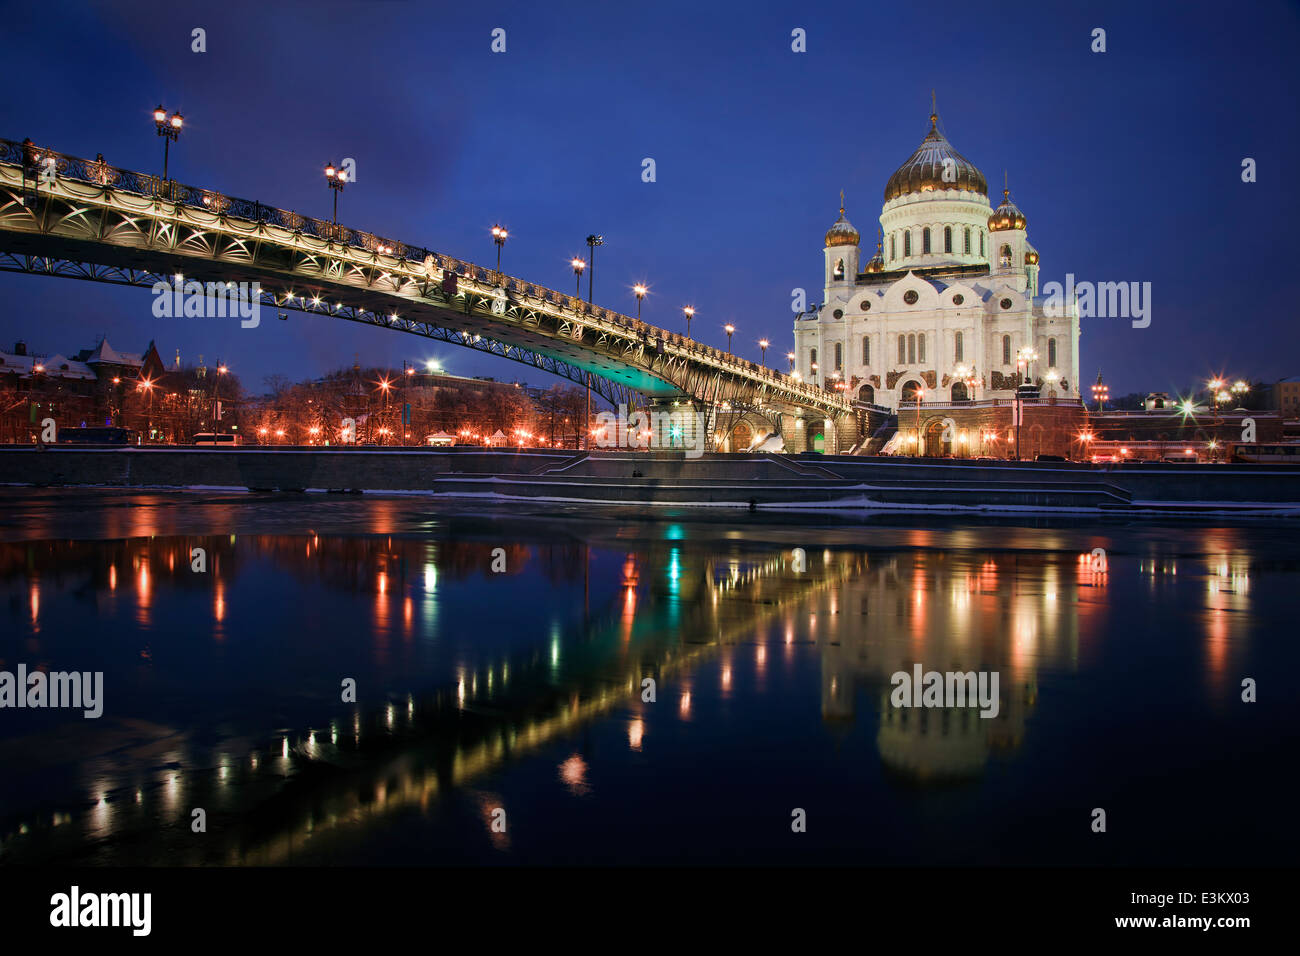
[(730, 329), (169, 127)]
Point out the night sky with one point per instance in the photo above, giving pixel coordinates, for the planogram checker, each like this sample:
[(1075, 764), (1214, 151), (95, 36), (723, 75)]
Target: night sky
[(1127, 164)]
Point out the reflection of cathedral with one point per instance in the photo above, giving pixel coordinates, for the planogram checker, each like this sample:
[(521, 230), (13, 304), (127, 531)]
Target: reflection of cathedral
[(948, 616), (948, 305)]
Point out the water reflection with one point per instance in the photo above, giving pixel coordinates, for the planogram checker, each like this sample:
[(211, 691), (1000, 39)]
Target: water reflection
[(467, 672)]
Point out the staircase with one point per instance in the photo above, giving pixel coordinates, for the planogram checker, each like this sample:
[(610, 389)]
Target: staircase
[(878, 438)]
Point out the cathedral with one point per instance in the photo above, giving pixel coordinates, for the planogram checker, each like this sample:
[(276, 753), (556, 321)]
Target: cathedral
[(948, 310)]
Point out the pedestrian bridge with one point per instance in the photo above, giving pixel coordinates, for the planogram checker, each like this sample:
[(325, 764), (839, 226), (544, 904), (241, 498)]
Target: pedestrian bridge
[(69, 217)]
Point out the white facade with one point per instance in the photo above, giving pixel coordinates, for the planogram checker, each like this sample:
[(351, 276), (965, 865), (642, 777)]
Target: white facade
[(949, 304)]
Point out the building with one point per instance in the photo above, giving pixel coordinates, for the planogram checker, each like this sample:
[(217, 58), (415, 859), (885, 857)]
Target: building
[(948, 306), (86, 388), (1285, 396), (945, 323)]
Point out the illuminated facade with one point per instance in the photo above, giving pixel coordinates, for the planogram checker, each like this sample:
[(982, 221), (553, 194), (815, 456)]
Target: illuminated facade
[(948, 308)]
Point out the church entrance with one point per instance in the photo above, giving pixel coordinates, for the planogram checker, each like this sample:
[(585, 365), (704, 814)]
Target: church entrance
[(911, 388), (867, 394), (935, 445), (959, 393)]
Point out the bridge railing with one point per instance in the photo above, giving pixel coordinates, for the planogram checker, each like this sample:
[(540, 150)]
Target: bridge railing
[(35, 160)]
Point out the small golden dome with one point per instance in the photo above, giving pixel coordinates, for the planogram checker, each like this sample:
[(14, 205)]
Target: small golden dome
[(877, 263), (1031, 258), (1007, 215), (842, 232)]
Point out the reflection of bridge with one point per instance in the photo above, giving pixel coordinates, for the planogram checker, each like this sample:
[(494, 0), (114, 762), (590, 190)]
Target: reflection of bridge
[(75, 218), (356, 769)]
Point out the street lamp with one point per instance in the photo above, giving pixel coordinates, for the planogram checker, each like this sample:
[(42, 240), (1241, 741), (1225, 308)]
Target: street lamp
[(762, 346), (730, 328), (640, 292), (169, 127), (790, 356), (1240, 389), (592, 242), (689, 312), (578, 266), (1100, 392), (336, 178), (499, 235)]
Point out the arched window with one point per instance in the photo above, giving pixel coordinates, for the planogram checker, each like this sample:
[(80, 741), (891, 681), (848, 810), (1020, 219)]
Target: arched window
[(925, 240), (920, 347), (956, 346), (902, 349), (947, 238), (911, 350), (1006, 350), (839, 269), (893, 247), (866, 350), (981, 243), (968, 240), (1004, 256), (839, 356), (1051, 353), (907, 243)]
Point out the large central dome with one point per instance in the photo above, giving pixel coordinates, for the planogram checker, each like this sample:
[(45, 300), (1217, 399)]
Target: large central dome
[(923, 170)]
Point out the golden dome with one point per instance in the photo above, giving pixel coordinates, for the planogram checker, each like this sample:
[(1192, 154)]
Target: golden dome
[(1007, 215), (877, 263), (923, 171), (1031, 258), (842, 232)]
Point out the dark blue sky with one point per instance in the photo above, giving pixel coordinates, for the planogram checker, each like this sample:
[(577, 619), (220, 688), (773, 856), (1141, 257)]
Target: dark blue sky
[(1127, 164)]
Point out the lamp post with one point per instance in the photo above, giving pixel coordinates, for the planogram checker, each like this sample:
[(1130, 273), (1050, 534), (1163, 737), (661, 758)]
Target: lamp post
[(639, 290), (499, 236), (578, 266), (920, 394), (689, 312), (1100, 392), (385, 386), (216, 400), (730, 329), (790, 357), (147, 386), (762, 347), (336, 178), (592, 242), (169, 128)]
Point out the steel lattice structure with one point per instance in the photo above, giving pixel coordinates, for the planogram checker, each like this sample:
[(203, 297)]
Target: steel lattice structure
[(74, 218)]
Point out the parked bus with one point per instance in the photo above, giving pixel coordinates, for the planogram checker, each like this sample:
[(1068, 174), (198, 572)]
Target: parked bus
[(95, 436), (216, 439)]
